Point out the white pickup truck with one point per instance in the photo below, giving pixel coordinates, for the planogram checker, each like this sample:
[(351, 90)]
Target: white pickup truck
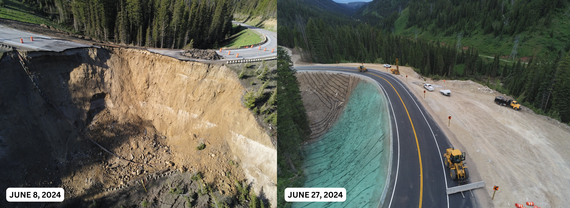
[(445, 92)]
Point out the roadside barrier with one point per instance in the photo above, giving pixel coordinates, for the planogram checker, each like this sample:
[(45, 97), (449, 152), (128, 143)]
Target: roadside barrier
[(530, 203), (251, 60), (6, 47), (519, 205)]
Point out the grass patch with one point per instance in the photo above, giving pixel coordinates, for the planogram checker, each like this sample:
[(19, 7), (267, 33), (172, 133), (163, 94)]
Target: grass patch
[(144, 203), (17, 10), (242, 38), (201, 146)]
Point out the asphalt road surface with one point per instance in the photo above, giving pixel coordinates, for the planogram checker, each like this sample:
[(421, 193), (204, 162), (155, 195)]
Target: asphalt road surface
[(252, 53), (10, 36), (244, 53), (413, 183)]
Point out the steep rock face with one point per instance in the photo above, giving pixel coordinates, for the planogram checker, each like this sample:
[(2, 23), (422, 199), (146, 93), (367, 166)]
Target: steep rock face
[(182, 103)]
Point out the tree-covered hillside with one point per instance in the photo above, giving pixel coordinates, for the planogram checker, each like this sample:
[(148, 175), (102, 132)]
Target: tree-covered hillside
[(151, 23), (540, 84), (492, 26), (262, 8)]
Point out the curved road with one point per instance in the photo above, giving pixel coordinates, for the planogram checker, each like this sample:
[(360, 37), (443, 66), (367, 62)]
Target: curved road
[(418, 177), (253, 53), (10, 36)]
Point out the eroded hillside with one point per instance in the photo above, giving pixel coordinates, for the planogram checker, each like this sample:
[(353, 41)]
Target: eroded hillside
[(150, 110)]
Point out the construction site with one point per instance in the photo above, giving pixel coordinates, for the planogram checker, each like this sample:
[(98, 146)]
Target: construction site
[(124, 127), (523, 153)]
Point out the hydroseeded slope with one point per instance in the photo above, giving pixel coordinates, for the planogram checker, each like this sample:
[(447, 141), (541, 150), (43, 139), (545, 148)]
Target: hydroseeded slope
[(354, 153)]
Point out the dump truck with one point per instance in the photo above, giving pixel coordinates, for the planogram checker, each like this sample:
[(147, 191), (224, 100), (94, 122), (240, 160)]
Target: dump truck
[(507, 102), (362, 69), (397, 69), (454, 160)]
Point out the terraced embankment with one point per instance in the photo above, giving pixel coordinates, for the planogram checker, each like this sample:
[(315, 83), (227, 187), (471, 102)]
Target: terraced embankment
[(351, 146), (150, 110), (325, 96)]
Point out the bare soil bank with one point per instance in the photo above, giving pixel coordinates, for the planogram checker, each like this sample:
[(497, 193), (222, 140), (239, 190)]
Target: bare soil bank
[(324, 96), (141, 106)]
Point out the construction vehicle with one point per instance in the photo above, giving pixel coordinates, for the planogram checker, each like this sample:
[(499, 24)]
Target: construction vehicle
[(504, 102), (397, 70), (454, 160), (362, 69)]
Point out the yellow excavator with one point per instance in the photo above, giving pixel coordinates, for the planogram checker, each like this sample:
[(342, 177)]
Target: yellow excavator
[(397, 70), (362, 69), (454, 160)]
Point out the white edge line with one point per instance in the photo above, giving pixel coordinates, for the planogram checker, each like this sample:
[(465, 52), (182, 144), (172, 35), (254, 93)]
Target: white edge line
[(436, 144), (391, 135)]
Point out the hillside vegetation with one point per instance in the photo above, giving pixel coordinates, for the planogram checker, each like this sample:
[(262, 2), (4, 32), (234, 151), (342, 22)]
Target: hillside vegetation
[(257, 8), (293, 125), (150, 23), (540, 83), (541, 26)]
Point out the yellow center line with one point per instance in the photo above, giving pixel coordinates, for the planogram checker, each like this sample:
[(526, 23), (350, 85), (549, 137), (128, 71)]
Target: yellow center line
[(415, 135)]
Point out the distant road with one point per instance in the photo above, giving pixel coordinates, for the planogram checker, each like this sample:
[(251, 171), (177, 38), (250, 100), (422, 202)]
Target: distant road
[(244, 53), (10, 36), (251, 53), (413, 184)]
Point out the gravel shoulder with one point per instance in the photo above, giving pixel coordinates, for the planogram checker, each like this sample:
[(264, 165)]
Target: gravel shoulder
[(525, 154)]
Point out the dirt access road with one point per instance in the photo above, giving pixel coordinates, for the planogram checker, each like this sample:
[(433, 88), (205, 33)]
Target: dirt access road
[(525, 154)]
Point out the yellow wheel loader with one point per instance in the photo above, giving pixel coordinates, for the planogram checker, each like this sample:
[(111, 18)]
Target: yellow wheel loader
[(454, 160), (362, 69)]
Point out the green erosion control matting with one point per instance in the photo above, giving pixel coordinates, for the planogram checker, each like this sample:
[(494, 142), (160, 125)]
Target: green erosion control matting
[(354, 153)]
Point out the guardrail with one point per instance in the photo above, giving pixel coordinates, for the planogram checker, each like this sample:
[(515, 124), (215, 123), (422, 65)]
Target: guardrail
[(465, 187), (251, 60), (5, 47)]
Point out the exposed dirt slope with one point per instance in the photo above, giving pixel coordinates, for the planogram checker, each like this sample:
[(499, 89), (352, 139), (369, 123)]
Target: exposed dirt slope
[(324, 96), (525, 154), (143, 107)]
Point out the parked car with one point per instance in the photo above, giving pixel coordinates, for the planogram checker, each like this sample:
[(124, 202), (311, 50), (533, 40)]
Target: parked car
[(387, 65), (428, 87), (445, 92)]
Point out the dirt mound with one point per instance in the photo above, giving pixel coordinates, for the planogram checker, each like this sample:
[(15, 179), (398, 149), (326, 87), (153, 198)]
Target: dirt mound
[(324, 96), (143, 107), (202, 54)]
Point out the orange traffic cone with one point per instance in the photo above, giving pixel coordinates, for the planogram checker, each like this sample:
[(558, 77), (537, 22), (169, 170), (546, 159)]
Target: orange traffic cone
[(237, 55), (228, 52), (265, 49), (31, 38), (272, 50), (259, 47), (21, 40), (220, 50)]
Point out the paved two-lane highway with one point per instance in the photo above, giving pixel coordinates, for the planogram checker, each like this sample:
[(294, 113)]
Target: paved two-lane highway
[(418, 177)]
